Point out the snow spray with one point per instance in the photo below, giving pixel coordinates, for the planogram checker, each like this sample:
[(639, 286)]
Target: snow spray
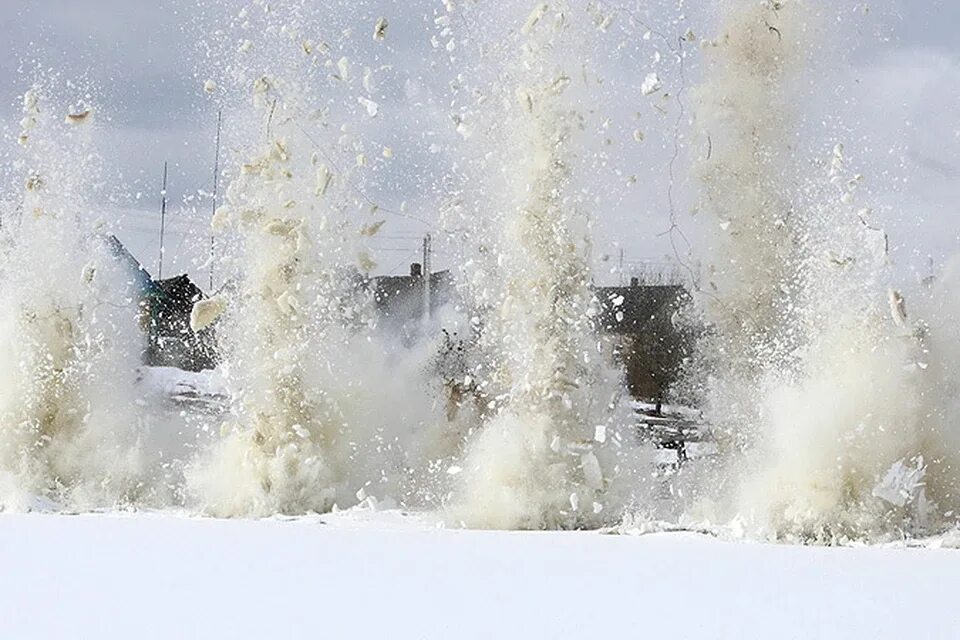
[(319, 414), (544, 454), (68, 317), (815, 378)]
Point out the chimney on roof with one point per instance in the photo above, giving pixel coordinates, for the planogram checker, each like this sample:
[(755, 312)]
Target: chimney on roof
[(634, 282), (416, 270)]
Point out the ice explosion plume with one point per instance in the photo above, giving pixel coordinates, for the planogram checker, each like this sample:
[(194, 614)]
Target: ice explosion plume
[(817, 383), (68, 318), (545, 453)]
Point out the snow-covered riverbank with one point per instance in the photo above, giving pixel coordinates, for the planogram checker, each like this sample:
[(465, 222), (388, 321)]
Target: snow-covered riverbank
[(363, 574)]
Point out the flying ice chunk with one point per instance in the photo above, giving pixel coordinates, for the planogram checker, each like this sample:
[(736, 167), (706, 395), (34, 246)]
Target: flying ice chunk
[(574, 501), (592, 474), (372, 229), (206, 312), (380, 28), (300, 431), (324, 177), (534, 18), (369, 80), (600, 433), (372, 107), (261, 85), (343, 66), (220, 220), (210, 86), (525, 98), (30, 101), (651, 84), (79, 117), (898, 308), (901, 484), (454, 470)]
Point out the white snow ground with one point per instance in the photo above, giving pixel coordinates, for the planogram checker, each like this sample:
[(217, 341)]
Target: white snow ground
[(363, 574)]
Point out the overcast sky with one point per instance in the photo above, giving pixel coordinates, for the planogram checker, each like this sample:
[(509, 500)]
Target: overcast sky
[(144, 61)]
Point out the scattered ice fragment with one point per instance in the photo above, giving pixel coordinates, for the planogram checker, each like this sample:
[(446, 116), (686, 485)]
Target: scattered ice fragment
[(365, 262), (600, 433), (324, 176), (592, 475), (300, 431), (898, 307), (555, 444), (574, 501), (454, 470), (369, 81), (380, 28), (30, 100), (901, 484), (534, 18), (221, 217), (343, 66), (261, 85), (651, 84), (79, 117), (372, 229), (210, 86), (206, 312), (372, 107), (89, 272), (387, 152)]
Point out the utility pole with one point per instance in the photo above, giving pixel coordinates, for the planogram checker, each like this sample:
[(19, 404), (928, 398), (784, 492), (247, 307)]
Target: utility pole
[(427, 249), (621, 266), (163, 219), (216, 184)]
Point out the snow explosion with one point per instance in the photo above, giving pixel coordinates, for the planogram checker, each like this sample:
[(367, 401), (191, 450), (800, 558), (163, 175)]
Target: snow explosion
[(830, 399), (815, 378), (68, 434)]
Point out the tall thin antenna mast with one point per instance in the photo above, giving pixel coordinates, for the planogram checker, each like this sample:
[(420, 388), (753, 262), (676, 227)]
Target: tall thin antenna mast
[(216, 184), (427, 250), (620, 269), (163, 219)]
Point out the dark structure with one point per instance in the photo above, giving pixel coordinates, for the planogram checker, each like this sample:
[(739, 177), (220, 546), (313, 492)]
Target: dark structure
[(637, 320), (640, 320), (172, 343), (401, 300), (165, 307)]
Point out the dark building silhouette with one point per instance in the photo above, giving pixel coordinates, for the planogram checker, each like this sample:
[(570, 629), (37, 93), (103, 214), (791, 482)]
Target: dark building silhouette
[(639, 319), (165, 307)]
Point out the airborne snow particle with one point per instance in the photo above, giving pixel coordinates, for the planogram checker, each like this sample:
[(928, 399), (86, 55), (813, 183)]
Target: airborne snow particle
[(78, 118), (372, 107), (380, 29), (534, 18), (206, 312), (651, 84), (343, 66)]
